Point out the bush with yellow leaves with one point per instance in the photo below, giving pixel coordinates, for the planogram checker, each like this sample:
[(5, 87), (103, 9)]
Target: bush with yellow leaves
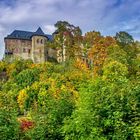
[(21, 99)]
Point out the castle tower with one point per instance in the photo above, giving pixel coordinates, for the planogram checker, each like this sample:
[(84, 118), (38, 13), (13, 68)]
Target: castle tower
[(38, 46)]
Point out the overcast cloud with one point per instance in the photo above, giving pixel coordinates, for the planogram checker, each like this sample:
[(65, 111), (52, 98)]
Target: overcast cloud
[(107, 16)]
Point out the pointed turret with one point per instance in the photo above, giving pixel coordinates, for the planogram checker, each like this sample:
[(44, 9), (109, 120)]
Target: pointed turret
[(39, 32)]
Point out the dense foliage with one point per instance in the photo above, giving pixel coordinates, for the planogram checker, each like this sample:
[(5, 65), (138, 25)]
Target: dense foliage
[(94, 95)]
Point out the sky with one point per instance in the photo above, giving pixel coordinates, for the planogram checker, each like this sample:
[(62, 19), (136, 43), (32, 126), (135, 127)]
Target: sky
[(106, 16)]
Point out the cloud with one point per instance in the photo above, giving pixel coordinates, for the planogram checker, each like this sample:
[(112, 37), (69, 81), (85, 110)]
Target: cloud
[(49, 28), (107, 16)]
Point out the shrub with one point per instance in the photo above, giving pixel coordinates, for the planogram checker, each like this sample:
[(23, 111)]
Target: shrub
[(9, 126), (27, 77)]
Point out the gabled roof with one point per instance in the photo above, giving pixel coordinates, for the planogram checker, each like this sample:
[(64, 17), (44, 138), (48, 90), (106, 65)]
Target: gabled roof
[(18, 34)]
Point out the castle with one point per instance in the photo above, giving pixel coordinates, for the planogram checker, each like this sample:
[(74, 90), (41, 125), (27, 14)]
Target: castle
[(30, 45)]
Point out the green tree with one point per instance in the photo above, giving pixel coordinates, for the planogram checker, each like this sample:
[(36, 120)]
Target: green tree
[(64, 39), (27, 77), (107, 108), (9, 126), (124, 38)]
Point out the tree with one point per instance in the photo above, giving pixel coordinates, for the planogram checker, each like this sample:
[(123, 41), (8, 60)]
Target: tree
[(107, 108), (124, 38), (115, 52), (126, 42), (9, 126), (90, 38), (98, 53), (64, 39), (27, 77), (65, 27)]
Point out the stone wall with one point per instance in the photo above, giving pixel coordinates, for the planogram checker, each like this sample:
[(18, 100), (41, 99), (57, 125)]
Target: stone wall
[(34, 49), (19, 48)]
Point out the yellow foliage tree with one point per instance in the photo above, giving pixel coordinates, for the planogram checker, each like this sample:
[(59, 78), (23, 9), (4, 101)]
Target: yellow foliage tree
[(21, 99), (98, 53)]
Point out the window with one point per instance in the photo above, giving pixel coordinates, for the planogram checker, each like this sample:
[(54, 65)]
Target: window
[(37, 41), (41, 41), (29, 51), (24, 50)]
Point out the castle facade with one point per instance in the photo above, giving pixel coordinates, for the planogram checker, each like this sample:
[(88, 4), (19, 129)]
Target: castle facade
[(30, 45)]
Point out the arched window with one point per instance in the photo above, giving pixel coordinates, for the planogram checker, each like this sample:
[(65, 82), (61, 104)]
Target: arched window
[(37, 41), (41, 41)]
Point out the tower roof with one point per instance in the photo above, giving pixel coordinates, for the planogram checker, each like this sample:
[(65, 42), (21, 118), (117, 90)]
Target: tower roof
[(39, 32)]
